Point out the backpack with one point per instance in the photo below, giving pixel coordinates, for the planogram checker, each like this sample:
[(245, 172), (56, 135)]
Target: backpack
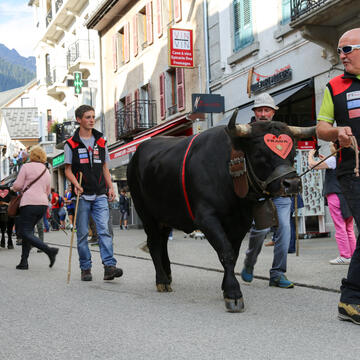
[(61, 201)]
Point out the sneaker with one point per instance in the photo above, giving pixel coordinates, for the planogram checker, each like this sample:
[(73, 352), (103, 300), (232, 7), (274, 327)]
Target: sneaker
[(86, 275), (349, 312), (93, 240), (282, 282), (170, 238), (270, 243), (247, 274), (111, 272), (340, 261)]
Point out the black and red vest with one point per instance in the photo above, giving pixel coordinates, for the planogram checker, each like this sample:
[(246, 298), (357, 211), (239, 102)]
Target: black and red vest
[(345, 93), (93, 181)]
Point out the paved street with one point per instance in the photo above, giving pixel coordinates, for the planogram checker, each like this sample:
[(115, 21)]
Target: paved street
[(44, 318)]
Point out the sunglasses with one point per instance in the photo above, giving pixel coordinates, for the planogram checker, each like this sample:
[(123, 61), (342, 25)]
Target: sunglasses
[(347, 49)]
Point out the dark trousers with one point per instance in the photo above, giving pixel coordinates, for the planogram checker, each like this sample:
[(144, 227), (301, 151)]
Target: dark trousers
[(29, 217), (350, 288)]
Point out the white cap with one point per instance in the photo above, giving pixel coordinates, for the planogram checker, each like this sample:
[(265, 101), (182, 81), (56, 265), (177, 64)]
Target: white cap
[(264, 99)]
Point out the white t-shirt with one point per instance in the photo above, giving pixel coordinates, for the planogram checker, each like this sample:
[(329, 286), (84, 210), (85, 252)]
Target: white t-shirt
[(331, 162)]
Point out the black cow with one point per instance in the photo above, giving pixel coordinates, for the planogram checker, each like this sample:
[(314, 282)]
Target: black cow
[(185, 183)]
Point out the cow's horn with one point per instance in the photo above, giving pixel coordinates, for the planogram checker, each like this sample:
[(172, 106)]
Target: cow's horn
[(242, 130), (303, 132)]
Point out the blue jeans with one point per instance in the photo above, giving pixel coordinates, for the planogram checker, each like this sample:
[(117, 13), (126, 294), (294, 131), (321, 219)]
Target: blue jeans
[(281, 239), (350, 288), (46, 222), (99, 211)]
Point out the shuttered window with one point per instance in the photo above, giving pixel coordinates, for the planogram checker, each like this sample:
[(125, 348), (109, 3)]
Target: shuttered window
[(286, 11), (135, 35), (177, 10), (242, 24), (162, 96), (159, 15), (116, 108), (115, 51), (127, 42), (149, 23), (180, 88)]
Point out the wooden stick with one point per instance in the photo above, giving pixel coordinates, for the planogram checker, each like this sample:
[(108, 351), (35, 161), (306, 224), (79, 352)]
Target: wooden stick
[(296, 226), (73, 231)]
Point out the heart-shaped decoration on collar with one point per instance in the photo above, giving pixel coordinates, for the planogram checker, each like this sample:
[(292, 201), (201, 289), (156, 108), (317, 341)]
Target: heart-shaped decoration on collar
[(281, 145), (3, 193)]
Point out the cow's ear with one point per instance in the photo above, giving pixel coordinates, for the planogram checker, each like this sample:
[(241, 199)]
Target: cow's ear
[(303, 132)]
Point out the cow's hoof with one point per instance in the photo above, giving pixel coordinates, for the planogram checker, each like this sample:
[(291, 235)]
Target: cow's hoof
[(10, 246), (234, 305), (163, 288), (2, 245)]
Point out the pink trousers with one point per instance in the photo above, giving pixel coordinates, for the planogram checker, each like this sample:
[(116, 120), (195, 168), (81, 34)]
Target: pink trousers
[(344, 228)]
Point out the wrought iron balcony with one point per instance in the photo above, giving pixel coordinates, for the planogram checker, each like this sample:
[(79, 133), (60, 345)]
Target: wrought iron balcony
[(137, 116), (65, 130), (300, 7), (58, 4), (51, 77), (48, 18), (81, 50), (172, 110)]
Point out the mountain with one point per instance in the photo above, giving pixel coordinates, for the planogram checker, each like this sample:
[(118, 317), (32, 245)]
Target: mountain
[(15, 70)]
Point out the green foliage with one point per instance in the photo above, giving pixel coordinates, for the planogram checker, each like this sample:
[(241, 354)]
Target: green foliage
[(13, 76)]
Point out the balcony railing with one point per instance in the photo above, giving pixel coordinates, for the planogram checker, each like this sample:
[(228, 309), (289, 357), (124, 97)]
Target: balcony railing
[(58, 4), (300, 7), (65, 130), (81, 49), (172, 110), (51, 77), (137, 116), (48, 18), (49, 137)]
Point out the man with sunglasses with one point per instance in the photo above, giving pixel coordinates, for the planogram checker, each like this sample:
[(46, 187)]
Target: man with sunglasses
[(341, 104)]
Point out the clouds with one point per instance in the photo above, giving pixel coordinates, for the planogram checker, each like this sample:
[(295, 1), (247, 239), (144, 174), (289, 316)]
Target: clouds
[(17, 29)]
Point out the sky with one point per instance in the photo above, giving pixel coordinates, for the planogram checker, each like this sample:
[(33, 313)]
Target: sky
[(17, 30)]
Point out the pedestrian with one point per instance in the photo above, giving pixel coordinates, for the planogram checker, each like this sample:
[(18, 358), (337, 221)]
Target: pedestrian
[(55, 207), (338, 208), (70, 206), (33, 204), (86, 152), (264, 110), (124, 209), (341, 105)]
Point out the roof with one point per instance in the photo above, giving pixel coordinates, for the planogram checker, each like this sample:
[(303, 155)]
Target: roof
[(7, 96), (22, 123)]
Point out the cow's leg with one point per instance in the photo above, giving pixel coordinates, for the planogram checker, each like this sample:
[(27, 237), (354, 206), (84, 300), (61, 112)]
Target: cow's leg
[(214, 232), (165, 232), (10, 225)]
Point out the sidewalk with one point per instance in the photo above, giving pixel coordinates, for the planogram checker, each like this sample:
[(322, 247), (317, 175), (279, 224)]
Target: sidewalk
[(311, 268)]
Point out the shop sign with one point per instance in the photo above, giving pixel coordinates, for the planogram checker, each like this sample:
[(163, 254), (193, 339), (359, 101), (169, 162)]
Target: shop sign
[(123, 152), (207, 103), (180, 48), (58, 160), (306, 145), (284, 74)]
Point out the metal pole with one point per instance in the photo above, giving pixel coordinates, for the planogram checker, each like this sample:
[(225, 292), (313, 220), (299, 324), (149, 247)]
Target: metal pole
[(296, 226)]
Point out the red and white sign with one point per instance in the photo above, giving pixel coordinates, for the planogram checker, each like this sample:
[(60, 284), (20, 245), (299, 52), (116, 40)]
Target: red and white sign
[(181, 51), (306, 145)]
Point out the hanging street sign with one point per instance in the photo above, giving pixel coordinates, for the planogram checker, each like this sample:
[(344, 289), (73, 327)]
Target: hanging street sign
[(207, 103), (180, 48)]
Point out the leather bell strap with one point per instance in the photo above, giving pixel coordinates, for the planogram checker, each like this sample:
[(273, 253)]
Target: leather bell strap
[(237, 168)]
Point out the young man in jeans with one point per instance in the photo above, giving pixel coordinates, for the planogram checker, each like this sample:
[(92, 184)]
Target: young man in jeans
[(86, 152)]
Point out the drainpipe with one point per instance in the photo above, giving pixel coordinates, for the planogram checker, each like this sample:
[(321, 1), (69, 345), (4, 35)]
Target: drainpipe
[(102, 116), (207, 59)]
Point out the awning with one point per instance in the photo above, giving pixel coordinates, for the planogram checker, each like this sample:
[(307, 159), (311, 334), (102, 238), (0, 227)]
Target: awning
[(121, 155), (245, 113)]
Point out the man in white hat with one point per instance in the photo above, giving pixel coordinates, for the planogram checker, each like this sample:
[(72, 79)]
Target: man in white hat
[(264, 110)]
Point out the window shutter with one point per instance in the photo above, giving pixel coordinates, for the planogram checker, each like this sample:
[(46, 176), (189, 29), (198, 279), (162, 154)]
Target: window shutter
[(180, 88), (135, 37), (115, 51), (159, 28), (149, 23), (116, 108), (177, 10), (285, 12), (242, 24), (162, 96), (137, 107), (127, 43)]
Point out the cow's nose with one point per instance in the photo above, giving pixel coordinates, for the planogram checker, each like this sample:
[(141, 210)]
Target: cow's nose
[(292, 186)]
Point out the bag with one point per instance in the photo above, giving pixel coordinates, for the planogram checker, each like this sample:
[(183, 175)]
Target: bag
[(14, 205), (61, 201), (62, 212)]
